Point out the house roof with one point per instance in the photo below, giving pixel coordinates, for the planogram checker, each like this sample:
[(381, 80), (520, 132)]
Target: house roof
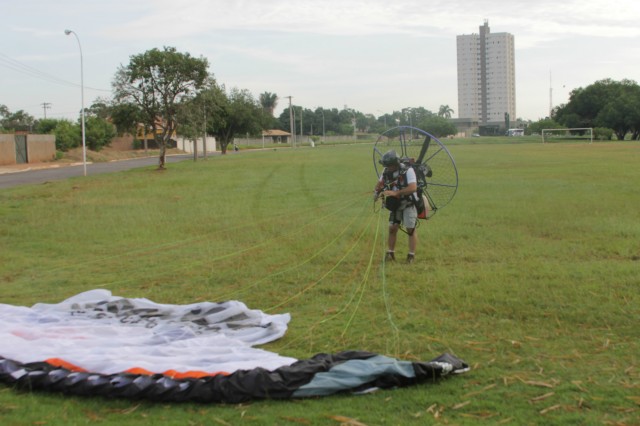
[(275, 132)]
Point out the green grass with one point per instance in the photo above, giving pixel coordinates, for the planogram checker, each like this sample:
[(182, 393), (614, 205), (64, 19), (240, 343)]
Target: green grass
[(530, 275)]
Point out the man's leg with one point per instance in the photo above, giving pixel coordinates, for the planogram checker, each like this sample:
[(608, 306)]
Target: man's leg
[(393, 235), (413, 240), (410, 219)]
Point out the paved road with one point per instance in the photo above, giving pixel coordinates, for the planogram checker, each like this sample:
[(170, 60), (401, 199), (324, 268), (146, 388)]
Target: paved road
[(8, 180)]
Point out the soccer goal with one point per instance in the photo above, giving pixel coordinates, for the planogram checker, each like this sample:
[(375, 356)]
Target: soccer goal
[(568, 135)]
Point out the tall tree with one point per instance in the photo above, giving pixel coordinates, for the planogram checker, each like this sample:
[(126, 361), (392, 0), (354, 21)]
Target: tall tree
[(126, 117), (269, 101), (99, 108), (4, 112), (437, 126), (157, 81), (605, 103), (445, 111), (234, 113), (196, 114), (19, 120)]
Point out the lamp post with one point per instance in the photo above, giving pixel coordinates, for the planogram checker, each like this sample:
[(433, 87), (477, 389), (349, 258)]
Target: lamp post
[(385, 118), (322, 111), (353, 120), (84, 145), (291, 122), (410, 120)]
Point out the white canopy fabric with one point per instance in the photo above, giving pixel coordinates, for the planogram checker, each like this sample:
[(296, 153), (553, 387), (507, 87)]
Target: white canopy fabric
[(98, 332)]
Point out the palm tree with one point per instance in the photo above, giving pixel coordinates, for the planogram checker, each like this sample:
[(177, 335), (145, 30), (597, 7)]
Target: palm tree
[(269, 101), (445, 111)]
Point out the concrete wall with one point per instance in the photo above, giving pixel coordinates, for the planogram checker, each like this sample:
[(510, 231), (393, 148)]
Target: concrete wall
[(187, 145), (122, 143), (41, 148), (7, 149)]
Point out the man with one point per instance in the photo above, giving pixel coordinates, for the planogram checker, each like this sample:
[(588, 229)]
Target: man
[(398, 184)]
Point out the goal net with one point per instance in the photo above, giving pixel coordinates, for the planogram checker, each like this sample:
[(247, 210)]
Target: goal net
[(574, 134)]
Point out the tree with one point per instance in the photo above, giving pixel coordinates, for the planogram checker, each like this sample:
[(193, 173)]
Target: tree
[(445, 111), (18, 120), (157, 81), (622, 114), (235, 113), (269, 101), (437, 126), (99, 108), (4, 112), (545, 123), (605, 103), (46, 126), (126, 117), (195, 114)]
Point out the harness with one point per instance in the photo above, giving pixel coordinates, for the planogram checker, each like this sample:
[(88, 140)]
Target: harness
[(398, 179)]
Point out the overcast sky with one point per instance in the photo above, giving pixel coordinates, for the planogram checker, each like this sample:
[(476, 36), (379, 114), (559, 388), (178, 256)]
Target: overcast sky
[(375, 56)]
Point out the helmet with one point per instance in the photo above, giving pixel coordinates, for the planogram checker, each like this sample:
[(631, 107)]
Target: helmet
[(390, 158)]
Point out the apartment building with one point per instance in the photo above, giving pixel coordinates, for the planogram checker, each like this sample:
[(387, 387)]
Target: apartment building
[(486, 78)]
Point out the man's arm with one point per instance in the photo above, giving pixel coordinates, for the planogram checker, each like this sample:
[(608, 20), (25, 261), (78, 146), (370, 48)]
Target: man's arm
[(408, 190)]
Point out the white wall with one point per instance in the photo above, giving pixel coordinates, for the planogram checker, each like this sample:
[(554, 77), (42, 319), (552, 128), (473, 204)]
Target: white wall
[(187, 145)]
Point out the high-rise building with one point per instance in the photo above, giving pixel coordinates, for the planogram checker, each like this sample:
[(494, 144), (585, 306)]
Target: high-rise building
[(486, 77)]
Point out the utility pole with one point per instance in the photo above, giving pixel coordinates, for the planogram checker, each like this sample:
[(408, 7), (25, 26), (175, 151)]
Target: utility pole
[(291, 121), (204, 136), (550, 95), (45, 107)]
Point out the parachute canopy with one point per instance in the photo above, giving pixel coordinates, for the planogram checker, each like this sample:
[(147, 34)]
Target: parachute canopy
[(98, 344)]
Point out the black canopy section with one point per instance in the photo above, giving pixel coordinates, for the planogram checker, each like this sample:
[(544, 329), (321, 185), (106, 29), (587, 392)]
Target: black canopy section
[(316, 376)]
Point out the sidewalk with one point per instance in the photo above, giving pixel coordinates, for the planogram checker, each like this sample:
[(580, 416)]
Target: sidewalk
[(17, 168)]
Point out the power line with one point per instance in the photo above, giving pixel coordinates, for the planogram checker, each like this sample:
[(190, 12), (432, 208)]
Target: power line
[(21, 68)]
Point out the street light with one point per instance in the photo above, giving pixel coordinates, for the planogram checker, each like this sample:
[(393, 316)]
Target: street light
[(353, 120), (410, 121), (84, 145), (322, 111), (291, 122), (385, 118)]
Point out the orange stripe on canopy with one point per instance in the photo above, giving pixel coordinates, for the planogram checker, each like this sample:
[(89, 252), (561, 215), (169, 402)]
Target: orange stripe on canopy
[(192, 374), (174, 374), (61, 363)]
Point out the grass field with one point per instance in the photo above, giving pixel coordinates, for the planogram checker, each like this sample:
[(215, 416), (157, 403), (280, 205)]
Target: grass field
[(531, 275)]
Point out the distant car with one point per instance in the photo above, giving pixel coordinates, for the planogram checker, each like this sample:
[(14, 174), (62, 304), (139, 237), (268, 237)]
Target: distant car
[(475, 135)]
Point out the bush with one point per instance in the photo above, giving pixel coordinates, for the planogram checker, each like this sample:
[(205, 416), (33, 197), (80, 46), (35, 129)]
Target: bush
[(98, 133), (602, 133), (68, 135)]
